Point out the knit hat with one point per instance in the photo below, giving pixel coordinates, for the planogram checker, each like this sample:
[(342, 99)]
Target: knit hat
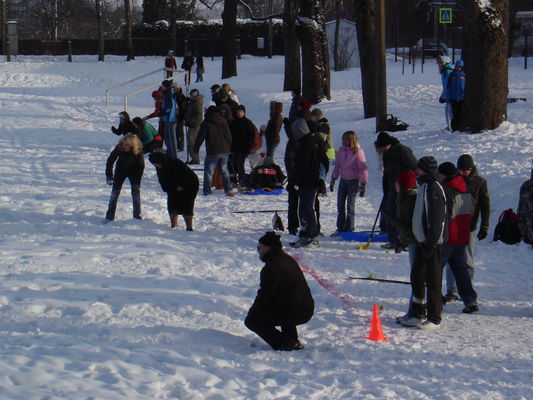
[(305, 104), (448, 169), (124, 115), (216, 87), (241, 107), (271, 239), (406, 179), (383, 140), (427, 163), (157, 157), (465, 162), (156, 94), (460, 63), (317, 112), (194, 92)]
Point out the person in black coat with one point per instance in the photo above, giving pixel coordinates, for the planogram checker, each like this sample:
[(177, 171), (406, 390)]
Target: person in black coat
[(181, 185), (129, 160), (283, 299), (242, 140), (396, 158), (125, 125)]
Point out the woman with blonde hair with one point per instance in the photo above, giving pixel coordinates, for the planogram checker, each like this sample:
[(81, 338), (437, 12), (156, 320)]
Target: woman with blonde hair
[(350, 165), (127, 156), (232, 93)]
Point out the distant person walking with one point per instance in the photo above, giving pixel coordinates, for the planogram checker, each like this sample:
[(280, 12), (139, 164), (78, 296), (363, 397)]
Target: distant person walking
[(445, 69), (200, 69), (456, 93), (188, 62), (170, 62)]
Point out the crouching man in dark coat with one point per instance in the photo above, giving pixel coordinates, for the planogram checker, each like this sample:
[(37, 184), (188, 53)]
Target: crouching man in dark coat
[(283, 299)]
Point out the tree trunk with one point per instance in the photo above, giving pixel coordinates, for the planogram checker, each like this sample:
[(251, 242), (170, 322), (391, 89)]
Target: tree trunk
[(366, 38), (173, 16), (486, 65), (129, 25), (336, 39), (98, 4), (229, 37), (315, 55), (293, 68)]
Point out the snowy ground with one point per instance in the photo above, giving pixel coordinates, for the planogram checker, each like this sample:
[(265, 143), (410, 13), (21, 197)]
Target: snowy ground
[(136, 310)]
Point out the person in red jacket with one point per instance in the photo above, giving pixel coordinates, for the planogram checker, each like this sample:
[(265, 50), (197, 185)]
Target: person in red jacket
[(170, 62), (459, 210)]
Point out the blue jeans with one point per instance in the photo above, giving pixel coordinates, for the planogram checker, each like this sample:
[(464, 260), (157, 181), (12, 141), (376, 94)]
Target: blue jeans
[(135, 184), (210, 164), (389, 205), (346, 204), (306, 213), (271, 148), (456, 258), (171, 141), (450, 280)]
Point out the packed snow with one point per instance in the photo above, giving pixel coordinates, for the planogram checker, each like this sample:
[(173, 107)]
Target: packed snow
[(136, 310)]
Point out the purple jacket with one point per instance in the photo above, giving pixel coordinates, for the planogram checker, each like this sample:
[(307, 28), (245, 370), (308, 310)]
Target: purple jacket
[(350, 165)]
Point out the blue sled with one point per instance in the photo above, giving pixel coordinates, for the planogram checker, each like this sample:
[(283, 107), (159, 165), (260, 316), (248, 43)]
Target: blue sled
[(363, 236), (263, 191)]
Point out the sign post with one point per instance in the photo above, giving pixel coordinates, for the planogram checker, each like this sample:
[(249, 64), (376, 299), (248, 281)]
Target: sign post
[(445, 16)]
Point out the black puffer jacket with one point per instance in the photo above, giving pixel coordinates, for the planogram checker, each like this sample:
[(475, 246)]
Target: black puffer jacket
[(242, 135), (309, 155), (398, 158), (283, 284), (215, 131), (128, 164)]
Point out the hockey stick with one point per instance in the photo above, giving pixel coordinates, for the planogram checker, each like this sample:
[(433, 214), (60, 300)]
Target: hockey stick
[(379, 280), (257, 211), (367, 244)]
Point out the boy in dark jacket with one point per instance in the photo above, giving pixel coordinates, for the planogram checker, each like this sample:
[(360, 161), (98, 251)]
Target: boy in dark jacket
[(429, 228), (125, 125), (242, 140), (283, 299), (193, 118)]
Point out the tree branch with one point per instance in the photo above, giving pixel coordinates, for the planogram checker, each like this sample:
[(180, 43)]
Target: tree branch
[(254, 18)]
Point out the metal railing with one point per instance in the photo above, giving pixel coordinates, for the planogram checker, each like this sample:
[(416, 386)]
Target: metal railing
[(152, 85)]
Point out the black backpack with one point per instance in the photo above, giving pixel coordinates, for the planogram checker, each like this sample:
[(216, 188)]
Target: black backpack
[(507, 229), (393, 124)]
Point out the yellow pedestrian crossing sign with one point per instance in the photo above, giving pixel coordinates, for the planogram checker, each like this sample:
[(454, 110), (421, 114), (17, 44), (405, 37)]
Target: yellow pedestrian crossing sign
[(445, 15)]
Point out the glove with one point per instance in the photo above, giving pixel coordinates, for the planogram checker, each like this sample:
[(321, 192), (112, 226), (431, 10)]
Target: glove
[(362, 190), (109, 181), (332, 186), (482, 234), (114, 130), (442, 100)]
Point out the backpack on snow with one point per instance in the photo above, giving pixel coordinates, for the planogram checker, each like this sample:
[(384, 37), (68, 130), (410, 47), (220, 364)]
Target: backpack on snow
[(507, 229), (267, 176), (393, 124)]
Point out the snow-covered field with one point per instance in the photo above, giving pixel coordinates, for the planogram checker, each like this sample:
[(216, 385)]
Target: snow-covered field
[(135, 310)]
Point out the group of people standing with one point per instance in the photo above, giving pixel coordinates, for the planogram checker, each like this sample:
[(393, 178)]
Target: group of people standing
[(188, 63), (437, 221)]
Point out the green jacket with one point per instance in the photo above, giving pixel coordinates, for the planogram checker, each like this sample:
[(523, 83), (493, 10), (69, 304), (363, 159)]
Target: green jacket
[(149, 133)]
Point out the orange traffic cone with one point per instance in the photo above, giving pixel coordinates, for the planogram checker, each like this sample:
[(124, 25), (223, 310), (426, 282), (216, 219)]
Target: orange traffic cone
[(376, 331)]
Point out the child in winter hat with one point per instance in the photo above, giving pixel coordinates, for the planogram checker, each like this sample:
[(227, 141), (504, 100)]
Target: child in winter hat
[(271, 239)]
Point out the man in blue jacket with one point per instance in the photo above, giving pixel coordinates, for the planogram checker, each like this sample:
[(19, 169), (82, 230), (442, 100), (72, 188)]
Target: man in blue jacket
[(456, 93)]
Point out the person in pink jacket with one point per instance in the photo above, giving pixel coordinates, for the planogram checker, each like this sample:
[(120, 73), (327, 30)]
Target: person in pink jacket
[(350, 165)]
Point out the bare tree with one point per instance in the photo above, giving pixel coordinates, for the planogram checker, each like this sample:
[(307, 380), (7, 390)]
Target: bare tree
[(315, 55), (293, 70), (129, 35), (336, 38), (486, 64), (229, 36), (366, 34), (173, 16), (98, 6)]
